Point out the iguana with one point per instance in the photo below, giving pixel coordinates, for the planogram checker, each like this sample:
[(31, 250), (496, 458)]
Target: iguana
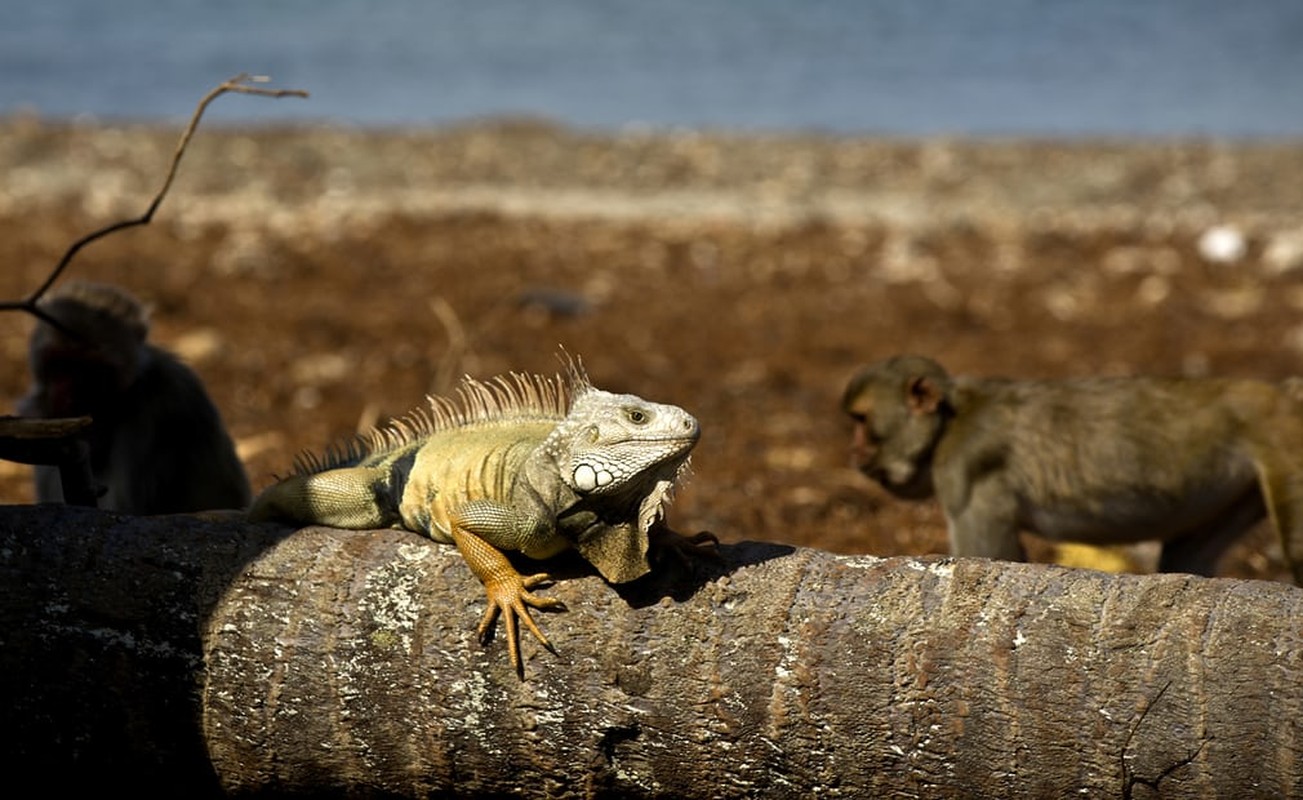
[(521, 462)]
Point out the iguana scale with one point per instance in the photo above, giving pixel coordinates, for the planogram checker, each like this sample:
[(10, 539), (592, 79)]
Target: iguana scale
[(522, 463)]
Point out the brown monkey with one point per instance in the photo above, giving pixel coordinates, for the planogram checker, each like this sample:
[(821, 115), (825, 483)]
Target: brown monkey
[(157, 443), (1191, 462)]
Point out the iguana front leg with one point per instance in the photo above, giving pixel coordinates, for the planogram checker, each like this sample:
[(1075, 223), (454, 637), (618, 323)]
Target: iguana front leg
[(507, 591), (685, 549)]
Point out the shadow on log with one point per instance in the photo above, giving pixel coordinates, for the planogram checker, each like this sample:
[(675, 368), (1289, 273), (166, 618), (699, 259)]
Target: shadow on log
[(208, 655)]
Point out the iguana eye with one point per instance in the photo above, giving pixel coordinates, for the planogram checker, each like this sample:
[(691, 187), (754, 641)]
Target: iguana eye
[(636, 415)]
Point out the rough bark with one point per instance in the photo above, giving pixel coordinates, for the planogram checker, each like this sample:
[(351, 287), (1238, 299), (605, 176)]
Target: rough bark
[(207, 655)]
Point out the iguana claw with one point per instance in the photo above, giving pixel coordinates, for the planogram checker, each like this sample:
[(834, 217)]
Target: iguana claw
[(684, 549), (508, 593), (509, 597)]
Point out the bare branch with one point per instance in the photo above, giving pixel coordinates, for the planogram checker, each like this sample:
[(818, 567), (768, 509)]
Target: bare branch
[(451, 365), (239, 85), (61, 442)]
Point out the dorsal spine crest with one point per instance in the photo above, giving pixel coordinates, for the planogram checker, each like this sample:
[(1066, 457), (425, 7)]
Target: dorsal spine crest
[(508, 398)]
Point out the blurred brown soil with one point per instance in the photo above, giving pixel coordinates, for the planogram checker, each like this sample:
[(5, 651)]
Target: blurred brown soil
[(324, 279)]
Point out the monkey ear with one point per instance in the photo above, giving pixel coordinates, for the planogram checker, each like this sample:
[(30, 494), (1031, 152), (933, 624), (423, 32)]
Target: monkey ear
[(923, 395)]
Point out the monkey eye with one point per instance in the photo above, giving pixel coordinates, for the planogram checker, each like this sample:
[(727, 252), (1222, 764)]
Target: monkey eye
[(636, 415)]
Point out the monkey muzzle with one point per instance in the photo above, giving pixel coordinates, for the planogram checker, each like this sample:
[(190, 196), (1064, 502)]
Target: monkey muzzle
[(902, 479)]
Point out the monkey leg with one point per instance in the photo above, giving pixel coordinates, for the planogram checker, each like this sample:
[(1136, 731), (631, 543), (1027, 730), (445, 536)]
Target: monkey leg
[(1198, 551), (1282, 492), (987, 525)]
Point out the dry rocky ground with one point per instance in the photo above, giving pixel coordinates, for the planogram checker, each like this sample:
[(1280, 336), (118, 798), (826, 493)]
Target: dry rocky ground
[(323, 279)]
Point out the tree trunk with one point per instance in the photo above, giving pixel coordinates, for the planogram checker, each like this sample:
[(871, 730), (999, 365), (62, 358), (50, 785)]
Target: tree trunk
[(204, 655)]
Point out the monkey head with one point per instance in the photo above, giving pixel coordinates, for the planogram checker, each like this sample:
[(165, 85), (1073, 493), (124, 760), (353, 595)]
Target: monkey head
[(900, 407), (95, 354)]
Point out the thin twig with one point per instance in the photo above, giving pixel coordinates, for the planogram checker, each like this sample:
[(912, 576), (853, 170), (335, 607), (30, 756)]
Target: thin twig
[(454, 359), (240, 85)]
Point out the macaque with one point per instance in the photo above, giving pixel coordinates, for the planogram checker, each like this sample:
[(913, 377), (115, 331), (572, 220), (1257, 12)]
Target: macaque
[(1192, 462), (157, 443)]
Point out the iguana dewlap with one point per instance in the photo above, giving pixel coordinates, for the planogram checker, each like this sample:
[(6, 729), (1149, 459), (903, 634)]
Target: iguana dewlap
[(520, 462)]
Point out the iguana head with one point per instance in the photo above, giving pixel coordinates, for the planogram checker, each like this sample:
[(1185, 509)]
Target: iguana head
[(620, 455)]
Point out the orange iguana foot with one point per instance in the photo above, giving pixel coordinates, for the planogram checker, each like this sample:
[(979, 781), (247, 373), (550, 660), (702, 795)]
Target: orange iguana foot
[(508, 593), (509, 596)]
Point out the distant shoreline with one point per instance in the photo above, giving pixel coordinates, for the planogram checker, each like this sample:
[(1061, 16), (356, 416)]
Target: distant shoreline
[(509, 121), (531, 167)]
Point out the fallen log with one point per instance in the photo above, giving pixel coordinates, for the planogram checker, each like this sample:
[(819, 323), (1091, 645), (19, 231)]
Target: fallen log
[(206, 655)]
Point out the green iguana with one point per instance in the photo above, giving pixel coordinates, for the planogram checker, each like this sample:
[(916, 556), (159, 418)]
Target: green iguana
[(520, 462)]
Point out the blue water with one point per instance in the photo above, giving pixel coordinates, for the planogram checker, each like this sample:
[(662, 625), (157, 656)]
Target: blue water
[(986, 67)]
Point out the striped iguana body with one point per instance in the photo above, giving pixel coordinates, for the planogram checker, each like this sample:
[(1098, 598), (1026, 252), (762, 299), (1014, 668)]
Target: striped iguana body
[(520, 463)]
